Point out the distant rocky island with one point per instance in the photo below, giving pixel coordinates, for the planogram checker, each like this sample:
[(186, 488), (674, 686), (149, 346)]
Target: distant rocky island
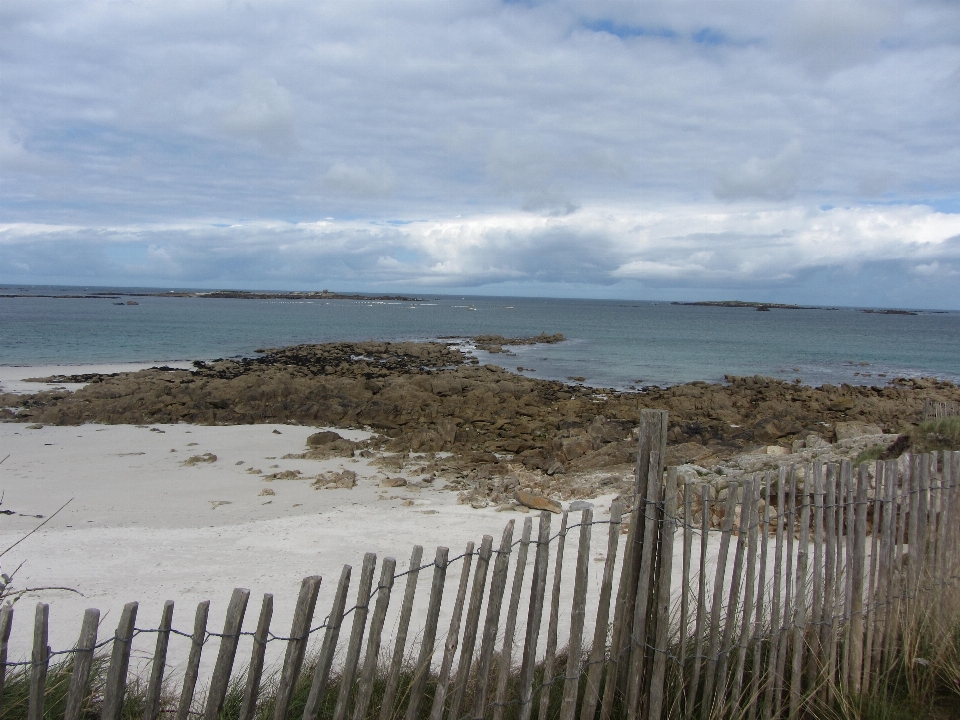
[(871, 311), (754, 305), (761, 306), (228, 294)]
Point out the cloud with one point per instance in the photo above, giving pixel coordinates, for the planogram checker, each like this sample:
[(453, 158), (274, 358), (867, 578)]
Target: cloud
[(374, 180), (665, 250), (600, 144), (773, 178), (264, 112), (830, 34)]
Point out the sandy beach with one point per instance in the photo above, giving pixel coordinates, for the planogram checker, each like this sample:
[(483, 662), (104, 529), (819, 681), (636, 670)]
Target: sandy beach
[(186, 512), (143, 526)]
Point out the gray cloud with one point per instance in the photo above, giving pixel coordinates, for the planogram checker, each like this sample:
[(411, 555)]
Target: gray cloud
[(264, 112), (375, 180), (773, 178)]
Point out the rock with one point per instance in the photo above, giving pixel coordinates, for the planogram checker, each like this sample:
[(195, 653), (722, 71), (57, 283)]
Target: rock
[(267, 491), (345, 480), (34, 427), (842, 405), (284, 475), (197, 459), (580, 506), (685, 453), (776, 450), (218, 503), (393, 482), (324, 437), (815, 442), (276, 432), (537, 502), (853, 430), (554, 469)]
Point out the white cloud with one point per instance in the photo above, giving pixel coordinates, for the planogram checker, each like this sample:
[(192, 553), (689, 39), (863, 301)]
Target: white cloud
[(674, 247)]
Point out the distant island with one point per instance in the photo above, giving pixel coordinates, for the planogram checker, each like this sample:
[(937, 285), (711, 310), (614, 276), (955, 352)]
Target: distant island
[(229, 294), (754, 305), (305, 295), (781, 306), (889, 312)]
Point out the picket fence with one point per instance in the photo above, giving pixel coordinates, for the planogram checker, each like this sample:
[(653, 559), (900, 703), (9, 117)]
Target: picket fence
[(832, 573)]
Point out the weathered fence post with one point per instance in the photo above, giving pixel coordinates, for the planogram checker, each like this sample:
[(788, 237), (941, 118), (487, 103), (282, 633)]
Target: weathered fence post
[(550, 653), (591, 693), (39, 661), (856, 604), (251, 690), (571, 683), (506, 656), (449, 650), (662, 607), (119, 662), (356, 637), (297, 644), (498, 586), (384, 590), (321, 674), (82, 662), (151, 710), (429, 637), (537, 587), (193, 660), (6, 623), (229, 640), (471, 626), (400, 642)]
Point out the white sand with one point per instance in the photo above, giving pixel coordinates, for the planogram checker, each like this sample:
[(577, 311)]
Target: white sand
[(144, 527)]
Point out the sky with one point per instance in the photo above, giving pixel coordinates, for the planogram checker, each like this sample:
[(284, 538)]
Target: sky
[(775, 151)]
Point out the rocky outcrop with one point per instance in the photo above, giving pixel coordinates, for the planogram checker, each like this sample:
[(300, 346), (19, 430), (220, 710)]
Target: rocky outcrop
[(422, 397)]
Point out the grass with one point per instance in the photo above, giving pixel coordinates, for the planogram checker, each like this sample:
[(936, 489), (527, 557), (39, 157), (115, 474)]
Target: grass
[(936, 435), (906, 691)]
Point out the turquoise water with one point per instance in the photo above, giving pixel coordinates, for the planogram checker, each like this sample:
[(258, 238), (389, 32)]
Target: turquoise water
[(611, 343)]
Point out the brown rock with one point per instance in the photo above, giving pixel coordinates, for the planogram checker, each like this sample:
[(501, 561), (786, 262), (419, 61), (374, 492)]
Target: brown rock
[(851, 430), (393, 482), (196, 459), (325, 437), (689, 452), (537, 502)]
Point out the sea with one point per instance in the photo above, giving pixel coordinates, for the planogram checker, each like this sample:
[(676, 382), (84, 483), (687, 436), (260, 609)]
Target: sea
[(610, 343)]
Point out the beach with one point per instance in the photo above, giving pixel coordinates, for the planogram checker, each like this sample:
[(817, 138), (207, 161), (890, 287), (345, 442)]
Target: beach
[(432, 454), (142, 526)]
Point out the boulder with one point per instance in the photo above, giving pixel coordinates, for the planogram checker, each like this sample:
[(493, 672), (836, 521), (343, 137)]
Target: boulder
[(325, 437), (537, 502), (393, 482), (345, 480)]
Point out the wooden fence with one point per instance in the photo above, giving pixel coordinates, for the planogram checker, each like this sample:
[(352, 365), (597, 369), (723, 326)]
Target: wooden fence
[(933, 409), (834, 577)]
